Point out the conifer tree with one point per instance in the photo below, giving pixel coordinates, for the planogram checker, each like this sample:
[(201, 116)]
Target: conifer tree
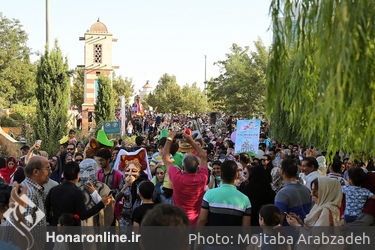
[(104, 107), (52, 93)]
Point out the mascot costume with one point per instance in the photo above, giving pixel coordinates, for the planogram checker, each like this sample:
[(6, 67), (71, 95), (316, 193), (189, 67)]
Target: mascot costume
[(131, 164), (137, 106), (88, 173), (98, 143)]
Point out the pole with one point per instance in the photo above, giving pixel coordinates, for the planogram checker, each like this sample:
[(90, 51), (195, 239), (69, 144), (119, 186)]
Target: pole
[(205, 76), (47, 23), (122, 115)]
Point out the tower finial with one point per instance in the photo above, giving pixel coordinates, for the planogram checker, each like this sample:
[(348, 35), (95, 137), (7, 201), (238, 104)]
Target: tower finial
[(98, 19)]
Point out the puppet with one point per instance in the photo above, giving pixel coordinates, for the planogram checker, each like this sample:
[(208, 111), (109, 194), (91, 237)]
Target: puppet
[(98, 143), (88, 174), (128, 195), (138, 158)]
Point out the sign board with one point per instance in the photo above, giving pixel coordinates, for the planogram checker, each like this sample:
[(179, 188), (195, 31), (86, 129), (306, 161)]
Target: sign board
[(112, 128), (247, 137), (134, 109)]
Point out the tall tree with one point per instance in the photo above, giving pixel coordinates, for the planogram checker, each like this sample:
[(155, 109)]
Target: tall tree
[(52, 93), (321, 72), (167, 96), (122, 87), (76, 96), (17, 73), (194, 99), (104, 108), (240, 88)]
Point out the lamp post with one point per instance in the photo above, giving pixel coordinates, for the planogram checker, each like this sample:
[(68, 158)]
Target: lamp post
[(205, 76), (47, 23)]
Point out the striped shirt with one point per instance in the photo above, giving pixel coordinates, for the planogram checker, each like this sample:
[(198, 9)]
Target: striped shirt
[(157, 158), (35, 193), (226, 206), (34, 213)]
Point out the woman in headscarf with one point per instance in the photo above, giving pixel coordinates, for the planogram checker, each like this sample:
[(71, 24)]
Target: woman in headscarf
[(327, 196), (10, 168), (158, 181), (68, 158), (259, 191), (159, 175), (229, 145), (56, 168), (243, 181), (215, 178)]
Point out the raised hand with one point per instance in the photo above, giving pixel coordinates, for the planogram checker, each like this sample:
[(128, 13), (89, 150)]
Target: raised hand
[(107, 199), (90, 187)]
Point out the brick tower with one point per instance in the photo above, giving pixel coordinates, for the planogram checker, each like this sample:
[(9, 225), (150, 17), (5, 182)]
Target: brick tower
[(98, 61)]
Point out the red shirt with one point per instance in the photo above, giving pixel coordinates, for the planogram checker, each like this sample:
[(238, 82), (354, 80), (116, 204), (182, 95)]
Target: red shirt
[(369, 183), (188, 190)]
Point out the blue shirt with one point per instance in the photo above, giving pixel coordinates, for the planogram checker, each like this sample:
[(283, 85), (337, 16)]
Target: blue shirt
[(355, 198), (294, 197)]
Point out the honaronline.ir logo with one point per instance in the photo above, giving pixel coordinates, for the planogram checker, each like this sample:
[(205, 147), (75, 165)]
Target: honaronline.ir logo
[(17, 216)]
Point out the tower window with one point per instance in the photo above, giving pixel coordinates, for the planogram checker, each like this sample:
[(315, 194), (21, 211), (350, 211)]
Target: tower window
[(98, 53)]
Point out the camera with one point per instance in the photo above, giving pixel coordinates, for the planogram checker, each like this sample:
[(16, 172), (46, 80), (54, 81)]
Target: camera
[(178, 136)]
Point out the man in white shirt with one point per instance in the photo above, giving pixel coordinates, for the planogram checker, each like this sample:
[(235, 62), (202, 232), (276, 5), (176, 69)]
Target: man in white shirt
[(310, 169)]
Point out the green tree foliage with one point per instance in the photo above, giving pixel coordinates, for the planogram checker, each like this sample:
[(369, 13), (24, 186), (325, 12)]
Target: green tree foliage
[(145, 104), (17, 73), (240, 88), (194, 99), (169, 97), (122, 87), (76, 95), (52, 93), (321, 75), (104, 109)]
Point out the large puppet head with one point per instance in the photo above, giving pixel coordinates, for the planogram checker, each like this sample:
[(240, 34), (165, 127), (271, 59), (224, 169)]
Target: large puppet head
[(88, 169), (138, 159), (133, 168), (134, 162), (98, 143)]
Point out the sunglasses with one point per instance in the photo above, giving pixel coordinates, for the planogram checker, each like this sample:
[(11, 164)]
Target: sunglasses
[(70, 149), (78, 160)]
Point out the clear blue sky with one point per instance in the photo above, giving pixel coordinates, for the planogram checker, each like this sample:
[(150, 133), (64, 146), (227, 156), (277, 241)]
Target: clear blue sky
[(154, 37)]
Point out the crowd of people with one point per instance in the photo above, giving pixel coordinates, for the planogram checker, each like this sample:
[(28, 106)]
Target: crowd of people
[(192, 179)]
